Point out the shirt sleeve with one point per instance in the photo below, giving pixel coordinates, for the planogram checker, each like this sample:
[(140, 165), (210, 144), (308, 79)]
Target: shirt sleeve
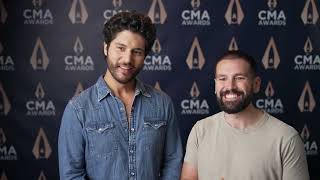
[(71, 146), (191, 155), (294, 160), (173, 152)]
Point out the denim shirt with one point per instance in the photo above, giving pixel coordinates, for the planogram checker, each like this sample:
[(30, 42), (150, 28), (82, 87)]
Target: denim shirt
[(97, 143)]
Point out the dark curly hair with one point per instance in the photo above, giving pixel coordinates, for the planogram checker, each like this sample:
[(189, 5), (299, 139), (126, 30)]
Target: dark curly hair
[(134, 22)]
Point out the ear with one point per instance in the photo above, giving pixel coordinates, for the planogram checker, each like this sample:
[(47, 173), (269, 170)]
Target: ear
[(215, 86), (256, 84), (105, 49)]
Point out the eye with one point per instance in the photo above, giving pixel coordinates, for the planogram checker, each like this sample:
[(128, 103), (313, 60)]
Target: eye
[(138, 52), (221, 79), (120, 48), (240, 78)]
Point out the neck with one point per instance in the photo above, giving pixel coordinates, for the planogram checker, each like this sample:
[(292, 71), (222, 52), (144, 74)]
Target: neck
[(245, 119), (117, 88)]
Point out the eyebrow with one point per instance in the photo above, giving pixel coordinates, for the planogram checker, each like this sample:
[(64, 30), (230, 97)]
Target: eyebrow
[(120, 44), (237, 74)]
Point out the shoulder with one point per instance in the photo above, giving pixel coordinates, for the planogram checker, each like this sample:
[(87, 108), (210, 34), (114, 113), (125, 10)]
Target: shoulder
[(86, 99), (156, 94), (208, 124), (280, 128)]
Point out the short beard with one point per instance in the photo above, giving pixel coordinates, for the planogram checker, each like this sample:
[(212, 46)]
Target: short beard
[(234, 107)]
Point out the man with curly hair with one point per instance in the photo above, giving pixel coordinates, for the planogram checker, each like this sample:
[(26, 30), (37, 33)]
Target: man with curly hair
[(121, 128)]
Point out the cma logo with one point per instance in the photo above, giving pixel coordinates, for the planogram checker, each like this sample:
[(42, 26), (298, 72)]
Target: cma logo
[(6, 152), (306, 101), (41, 148), (194, 105), (272, 17), (308, 61), (310, 13), (39, 58), (39, 106), (157, 12), (78, 12), (271, 58), (5, 105), (78, 62), (195, 16), (6, 62), (195, 58), (156, 61), (234, 13), (37, 15), (3, 12), (270, 104), (117, 4), (310, 146)]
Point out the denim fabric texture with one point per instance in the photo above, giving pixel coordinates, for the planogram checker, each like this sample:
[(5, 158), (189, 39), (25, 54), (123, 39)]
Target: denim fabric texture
[(97, 143)]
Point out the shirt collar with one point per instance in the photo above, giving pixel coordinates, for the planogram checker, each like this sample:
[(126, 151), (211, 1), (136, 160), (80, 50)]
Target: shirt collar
[(104, 90)]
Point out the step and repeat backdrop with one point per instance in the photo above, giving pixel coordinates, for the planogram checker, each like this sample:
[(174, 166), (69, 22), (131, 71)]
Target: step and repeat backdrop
[(52, 50)]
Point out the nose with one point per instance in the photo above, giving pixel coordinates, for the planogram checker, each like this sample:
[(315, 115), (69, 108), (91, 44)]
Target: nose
[(230, 83), (126, 58)]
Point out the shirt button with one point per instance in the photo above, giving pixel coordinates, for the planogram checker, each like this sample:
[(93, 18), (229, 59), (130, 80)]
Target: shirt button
[(132, 129), (132, 173)]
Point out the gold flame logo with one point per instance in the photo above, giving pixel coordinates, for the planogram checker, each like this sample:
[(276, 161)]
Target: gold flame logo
[(156, 47), (271, 58), (195, 59), (157, 12), (117, 3), (310, 13), (42, 176), (3, 13), (306, 101), (305, 133), (79, 89), (37, 3), (78, 47), (272, 4), (194, 92), (5, 105), (233, 45), (157, 86), (39, 93), (269, 92), (39, 58), (308, 46), (41, 148), (195, 4), (78, 12), (3, 138), (234, 14)]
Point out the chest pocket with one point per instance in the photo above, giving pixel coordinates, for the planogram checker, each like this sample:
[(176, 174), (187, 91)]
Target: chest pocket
[(154, 131), (101, 139)]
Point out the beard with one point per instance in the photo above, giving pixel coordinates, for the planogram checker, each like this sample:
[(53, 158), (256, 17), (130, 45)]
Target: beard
[(232, 107), (115, 69)]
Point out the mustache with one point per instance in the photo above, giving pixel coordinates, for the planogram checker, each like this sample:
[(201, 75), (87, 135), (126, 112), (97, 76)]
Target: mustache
[(228, 91)]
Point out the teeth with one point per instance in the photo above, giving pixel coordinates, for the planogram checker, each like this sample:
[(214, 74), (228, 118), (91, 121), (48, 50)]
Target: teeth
[(231, 96)]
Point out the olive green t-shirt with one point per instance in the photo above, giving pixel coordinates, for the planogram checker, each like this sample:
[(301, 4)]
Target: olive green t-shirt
[(271, 150)]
